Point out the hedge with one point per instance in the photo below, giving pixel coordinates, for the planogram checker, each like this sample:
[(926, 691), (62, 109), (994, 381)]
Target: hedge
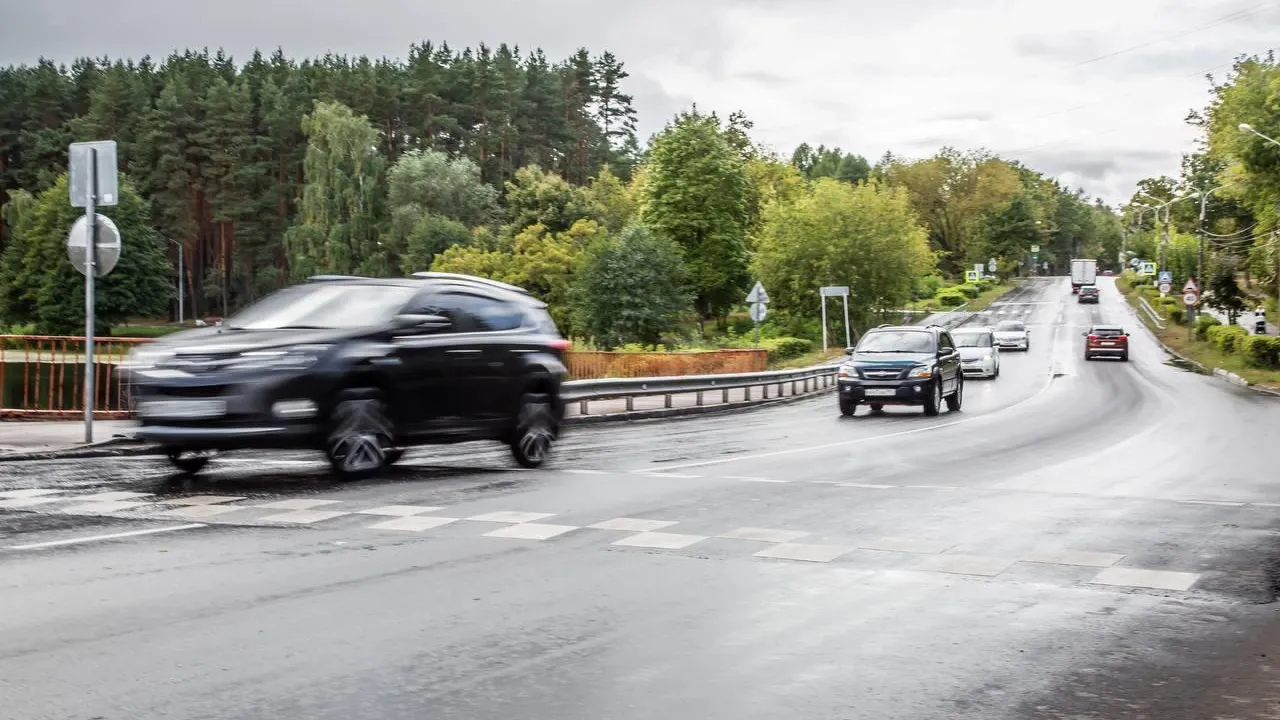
[(1203, 323), (1226, 337), (970, 290), (951, 298), (1178, 315), (784, 348), (1261, 351)]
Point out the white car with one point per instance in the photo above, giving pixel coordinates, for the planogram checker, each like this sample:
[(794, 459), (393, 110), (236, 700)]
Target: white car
[(979, 356), (1012, 334)]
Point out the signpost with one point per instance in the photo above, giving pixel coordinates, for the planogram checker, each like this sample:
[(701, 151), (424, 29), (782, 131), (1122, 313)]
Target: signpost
[(841, 291), (1165, 288), (991, 266), (1190, 296), (972, 276), (759, 299), (94, 183)]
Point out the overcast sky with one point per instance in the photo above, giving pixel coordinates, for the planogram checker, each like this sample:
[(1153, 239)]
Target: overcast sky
[(1094, 92)]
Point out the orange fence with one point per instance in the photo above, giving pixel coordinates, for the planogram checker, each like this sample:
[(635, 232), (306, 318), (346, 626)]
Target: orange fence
[(42, 377), (591, 365)]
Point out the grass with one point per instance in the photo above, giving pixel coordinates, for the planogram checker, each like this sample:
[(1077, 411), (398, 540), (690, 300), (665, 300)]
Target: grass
[(1177, 337), (984, 300)]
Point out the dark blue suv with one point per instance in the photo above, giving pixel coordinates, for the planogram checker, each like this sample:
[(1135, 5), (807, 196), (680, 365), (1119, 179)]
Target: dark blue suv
[(906, 365)]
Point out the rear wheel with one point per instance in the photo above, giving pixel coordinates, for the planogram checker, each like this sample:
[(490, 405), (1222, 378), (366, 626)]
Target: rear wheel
[(847, 407), (535, 431), (1125, 356), (361, 439), (956, 398), (933, 403), (190, 461)]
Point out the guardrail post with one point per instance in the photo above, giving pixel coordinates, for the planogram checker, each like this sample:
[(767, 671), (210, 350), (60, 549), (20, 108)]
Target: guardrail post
[(793, 388), (666, 400), (746, 393), (582, 407), (699, 398), (765, 389), (725, 396), (631, 403)]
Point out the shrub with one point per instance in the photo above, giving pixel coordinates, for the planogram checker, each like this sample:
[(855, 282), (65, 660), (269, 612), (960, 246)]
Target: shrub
[(1260, 351), (926, 287), (784, 348), (1178, 315), (1226, 337), (1203, 323), (970, 290), (951, 297)]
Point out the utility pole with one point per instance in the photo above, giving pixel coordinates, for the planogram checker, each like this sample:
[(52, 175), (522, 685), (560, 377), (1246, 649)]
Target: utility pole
[(1204, 198)]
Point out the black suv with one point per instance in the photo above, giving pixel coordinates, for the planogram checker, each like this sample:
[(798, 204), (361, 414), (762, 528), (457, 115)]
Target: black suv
[(907, 365), (360, 368)]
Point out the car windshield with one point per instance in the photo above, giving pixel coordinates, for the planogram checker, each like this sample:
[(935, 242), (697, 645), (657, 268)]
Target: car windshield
[(324, 306), (1108, 332), (899, 341), (972, 339), (1010, 326)]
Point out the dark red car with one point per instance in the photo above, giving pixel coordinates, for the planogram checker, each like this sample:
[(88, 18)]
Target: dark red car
[(1106, 341)]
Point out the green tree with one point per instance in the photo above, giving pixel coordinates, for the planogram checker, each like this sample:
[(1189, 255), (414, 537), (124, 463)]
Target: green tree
[(696, 194), (39, 285), (430, 236), (338, 231), (630, 289), (1224, 293), (536, 197), (865, 237), (1009, 232)]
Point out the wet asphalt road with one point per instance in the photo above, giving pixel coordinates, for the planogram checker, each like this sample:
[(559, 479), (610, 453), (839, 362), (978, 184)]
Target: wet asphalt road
[(1084, 540)]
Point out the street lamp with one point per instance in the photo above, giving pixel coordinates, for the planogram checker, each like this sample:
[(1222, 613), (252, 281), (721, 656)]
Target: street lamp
[(1246, 127), (182, 315)]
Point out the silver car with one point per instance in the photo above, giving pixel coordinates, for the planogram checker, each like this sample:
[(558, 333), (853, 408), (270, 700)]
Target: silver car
[(979, 356), (1012, 335)]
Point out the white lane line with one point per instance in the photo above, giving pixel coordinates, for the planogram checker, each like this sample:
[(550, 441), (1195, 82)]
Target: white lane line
[(757, 479), (1048, 383), (663, 474), (98, 538), (932, 487), (584, 472), (35, 492), (1222, 503), (866, 485), (1153, 579)]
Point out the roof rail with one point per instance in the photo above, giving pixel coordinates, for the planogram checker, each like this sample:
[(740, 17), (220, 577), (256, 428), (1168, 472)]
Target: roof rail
[(457, 277), (331, 278), (884, 325)]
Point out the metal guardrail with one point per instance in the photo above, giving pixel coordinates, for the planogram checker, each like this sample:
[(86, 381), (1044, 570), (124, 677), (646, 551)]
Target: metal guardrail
[(802, 381), (1150, 311)]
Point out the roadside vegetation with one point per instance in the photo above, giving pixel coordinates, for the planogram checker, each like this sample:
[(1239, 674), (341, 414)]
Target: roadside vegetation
[(507, 165)]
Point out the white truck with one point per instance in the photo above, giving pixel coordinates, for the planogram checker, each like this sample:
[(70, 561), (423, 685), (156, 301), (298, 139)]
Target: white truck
[(1083, 272)]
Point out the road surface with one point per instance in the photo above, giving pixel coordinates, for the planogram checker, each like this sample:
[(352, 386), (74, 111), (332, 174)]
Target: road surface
[(1084, 540)]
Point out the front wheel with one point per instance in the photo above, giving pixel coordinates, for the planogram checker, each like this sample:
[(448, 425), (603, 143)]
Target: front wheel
[(535, 431), (189, 462), (847, 407), (361, 439), (933, 403), (956, 398)]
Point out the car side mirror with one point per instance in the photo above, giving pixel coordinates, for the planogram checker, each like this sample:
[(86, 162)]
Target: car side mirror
[(943, 352), (850, 351), (423, 322)]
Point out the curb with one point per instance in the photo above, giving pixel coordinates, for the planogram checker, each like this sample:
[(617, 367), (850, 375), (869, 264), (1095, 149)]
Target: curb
[(132, 447)]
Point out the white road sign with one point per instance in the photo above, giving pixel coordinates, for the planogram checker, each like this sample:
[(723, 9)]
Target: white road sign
[(1165, 288), (834, 291), (757, 294), (759, 311), (108, 245), (1189, 298)]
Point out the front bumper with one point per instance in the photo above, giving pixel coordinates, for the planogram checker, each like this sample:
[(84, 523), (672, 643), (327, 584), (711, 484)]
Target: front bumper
[(230, 411), (1107, 351), (886, 392), (979, 368), (1012, 344)]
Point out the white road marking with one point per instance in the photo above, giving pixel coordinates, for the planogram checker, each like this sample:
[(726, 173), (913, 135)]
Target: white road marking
[(757, 479), (295, 504), (663, 474), (664, 541), (34, 492), (413, 523), (1073, 557), (511, 517), (16, 503), (192, 512), (866, 485), (531, 531), (202, 500), (1153, 579), (303, 517), (906, 545), (764, 535), (804, 553), (1221, 503), (632, 524), (399, 510), (112, 496), (584, 472), (965, 565), (933, 487), (99, 538), (99, 508)]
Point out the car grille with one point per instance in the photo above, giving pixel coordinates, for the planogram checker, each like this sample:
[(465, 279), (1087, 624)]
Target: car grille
[(196, 364), (881, 374)]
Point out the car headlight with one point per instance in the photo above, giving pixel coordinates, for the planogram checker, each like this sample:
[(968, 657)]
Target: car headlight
[(846, 371), (299, 357), (989, 356), (923, 371)]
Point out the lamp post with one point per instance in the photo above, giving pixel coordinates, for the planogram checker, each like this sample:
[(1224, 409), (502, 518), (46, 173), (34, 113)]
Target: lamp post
[(1246, 127), (182, 315)]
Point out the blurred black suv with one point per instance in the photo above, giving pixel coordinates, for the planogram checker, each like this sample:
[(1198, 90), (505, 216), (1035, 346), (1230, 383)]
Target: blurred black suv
[(903, 365), (360, 368)]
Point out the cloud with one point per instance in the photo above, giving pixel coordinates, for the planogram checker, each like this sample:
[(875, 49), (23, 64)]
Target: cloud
[(1027, 79)]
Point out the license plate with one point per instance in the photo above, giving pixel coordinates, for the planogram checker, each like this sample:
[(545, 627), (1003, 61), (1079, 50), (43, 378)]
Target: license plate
[(881, 392), (1108, 344), (185, 409)]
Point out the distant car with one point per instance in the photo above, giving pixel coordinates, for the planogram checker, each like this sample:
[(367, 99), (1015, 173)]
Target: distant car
[(1088, 294), (1106, 341), (903, 365), (1012, 334), (1108, 273), (979, 355)]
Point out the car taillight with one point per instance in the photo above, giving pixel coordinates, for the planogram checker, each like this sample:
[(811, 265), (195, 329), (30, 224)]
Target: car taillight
[(561, 345), (1093, 337)]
